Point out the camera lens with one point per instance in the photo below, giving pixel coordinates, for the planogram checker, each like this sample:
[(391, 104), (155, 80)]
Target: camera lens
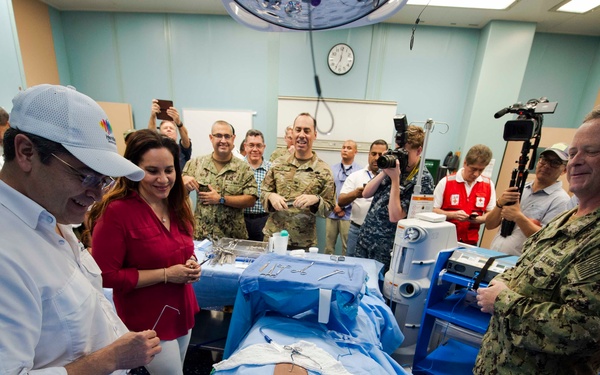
[(386, 161)]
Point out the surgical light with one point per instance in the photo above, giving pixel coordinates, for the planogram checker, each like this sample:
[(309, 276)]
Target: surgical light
[(293, 15)]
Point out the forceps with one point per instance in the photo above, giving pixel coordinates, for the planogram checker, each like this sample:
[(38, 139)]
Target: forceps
[(330, 274), (281, 268), (270, 272), (303, 271)]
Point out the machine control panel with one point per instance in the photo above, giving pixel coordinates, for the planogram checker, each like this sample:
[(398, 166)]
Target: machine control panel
[(470, 262)]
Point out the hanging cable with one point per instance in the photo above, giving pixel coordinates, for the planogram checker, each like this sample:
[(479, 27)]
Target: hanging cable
[(412, 35), (317, 83)]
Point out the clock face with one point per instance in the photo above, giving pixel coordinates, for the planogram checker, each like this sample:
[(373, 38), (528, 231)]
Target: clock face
[(340, 59)]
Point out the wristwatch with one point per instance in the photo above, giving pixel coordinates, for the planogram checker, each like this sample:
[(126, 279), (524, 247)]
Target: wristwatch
[(180, 124), (222, 200)]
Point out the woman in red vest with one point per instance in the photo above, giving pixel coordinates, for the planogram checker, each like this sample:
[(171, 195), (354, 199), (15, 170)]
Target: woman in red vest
[(466, 197)]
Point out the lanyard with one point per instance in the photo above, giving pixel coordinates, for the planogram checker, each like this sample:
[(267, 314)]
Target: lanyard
[(413, 172), (344, 170)]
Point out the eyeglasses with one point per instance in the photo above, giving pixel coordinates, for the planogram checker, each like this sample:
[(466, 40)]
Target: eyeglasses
[(554, 163), (221, 136), (89, 180), (252, 145)]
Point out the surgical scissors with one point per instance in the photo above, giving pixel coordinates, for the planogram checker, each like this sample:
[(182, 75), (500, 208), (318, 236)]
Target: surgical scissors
[(303, 271)]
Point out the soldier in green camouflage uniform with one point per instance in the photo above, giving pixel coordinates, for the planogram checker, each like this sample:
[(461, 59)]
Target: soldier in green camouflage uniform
[(284, 151), (546, 310), (279, 152), (303, 181), (230, 187)]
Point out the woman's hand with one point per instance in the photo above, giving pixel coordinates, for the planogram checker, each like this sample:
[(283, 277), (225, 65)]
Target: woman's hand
[(184, 273)]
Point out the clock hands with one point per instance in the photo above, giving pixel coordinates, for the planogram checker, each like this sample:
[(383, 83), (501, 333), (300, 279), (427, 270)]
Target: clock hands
[(340, 59)]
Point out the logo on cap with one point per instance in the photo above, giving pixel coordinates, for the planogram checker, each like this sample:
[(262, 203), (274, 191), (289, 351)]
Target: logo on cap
[(105, 125)]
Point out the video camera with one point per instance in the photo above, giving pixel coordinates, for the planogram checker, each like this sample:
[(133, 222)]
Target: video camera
[(529, 121), (388, 160), (527, 127)]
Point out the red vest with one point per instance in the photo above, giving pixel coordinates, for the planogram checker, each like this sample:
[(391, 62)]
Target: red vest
[(455, 199)]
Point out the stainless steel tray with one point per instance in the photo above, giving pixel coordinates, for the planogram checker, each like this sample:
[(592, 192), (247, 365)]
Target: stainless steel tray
[(241, 248)]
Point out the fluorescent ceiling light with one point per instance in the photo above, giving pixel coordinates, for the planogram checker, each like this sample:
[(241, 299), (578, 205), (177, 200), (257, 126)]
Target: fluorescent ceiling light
[(577, 6), (476, 4)]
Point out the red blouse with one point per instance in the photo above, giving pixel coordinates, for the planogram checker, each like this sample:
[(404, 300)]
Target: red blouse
[(129, 237)]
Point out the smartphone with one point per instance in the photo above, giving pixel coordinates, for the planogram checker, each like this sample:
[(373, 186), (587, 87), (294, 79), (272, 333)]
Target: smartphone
[(203, 188), (164, 105), (473, 215)]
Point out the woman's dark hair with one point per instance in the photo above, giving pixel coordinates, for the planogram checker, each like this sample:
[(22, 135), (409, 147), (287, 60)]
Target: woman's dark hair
[(139, 143)]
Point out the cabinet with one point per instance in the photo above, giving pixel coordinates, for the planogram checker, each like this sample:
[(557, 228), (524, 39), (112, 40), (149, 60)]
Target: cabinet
[(454, 355)]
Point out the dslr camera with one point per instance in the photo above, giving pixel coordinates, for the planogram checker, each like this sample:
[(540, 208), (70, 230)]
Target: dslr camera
[(388, 160)]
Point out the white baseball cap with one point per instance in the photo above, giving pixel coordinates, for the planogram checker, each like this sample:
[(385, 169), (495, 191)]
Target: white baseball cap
[(63, 115), (558, 149)]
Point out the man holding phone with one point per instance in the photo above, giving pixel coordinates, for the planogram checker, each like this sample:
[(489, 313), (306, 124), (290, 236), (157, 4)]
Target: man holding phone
[(170, 124), (466, 197), (225, 186)]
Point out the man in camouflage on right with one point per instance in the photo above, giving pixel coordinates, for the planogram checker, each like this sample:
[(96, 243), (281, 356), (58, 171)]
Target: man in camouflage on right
[(546, 310)]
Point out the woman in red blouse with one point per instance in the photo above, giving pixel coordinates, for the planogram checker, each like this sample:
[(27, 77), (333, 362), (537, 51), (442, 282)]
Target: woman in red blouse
[(142, 241)]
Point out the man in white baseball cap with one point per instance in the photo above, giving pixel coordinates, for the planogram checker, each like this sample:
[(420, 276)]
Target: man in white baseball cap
[(542, 200), (60, 154)]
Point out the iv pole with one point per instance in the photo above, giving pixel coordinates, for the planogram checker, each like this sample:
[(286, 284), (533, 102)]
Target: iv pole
[(428, 127)]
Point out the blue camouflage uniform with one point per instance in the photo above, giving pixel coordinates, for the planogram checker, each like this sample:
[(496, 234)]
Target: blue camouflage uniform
[(548, 321), (376, 236)]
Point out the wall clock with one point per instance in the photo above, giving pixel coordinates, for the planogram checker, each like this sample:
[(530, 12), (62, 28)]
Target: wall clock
[(340, 59)]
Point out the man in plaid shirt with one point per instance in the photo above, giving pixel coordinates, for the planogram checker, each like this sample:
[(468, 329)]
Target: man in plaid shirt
[(255, 216)]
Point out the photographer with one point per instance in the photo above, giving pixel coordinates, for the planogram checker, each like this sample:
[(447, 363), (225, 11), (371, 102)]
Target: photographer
[(170, 128), (391, 192), (466, 197), (542, 200)]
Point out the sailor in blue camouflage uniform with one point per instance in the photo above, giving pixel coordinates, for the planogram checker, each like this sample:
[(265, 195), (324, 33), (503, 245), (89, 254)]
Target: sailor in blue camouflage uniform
[(391, 192), (546, 310)]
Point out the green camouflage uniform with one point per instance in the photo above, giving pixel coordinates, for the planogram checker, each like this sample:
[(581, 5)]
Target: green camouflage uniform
[(291, 179), (279, 152), (217, 220), (549, 320)]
